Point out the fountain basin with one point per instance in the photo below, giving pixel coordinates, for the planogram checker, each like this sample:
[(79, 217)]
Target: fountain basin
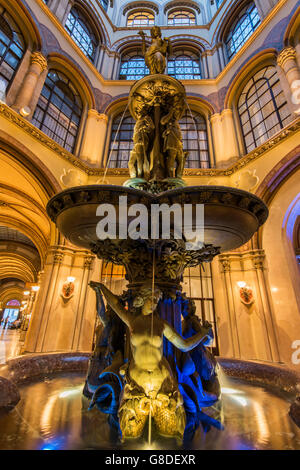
[(52, 414), (231, 216)]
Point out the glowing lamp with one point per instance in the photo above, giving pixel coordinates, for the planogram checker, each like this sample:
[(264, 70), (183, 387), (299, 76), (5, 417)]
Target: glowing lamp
[(25, 111), (241, 284), (26, 292), (35, 288), (71, 279)]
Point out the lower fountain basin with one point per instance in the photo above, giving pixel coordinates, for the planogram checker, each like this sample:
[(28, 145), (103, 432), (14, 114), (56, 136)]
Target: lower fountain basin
[(231, 216), (53, 415)]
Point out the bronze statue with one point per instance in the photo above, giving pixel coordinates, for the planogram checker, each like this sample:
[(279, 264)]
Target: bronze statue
[(173, 147), (139, 165), (155, 55), (150, 384)]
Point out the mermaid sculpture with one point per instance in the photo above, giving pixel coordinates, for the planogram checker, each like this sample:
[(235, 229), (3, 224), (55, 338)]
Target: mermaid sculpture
[(150, 386)]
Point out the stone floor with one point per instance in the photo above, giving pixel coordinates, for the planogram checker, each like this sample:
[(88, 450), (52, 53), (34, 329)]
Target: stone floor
[(10, 344)]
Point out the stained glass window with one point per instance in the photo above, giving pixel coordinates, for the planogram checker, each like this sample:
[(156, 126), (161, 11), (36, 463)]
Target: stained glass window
[(184, 65), (262, 108), (181, 17), (11, 50), (244, 26), (80, 31), (140, 18), (133, 66), (59, 109)]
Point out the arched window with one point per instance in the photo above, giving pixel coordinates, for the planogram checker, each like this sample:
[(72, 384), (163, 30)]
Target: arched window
[(133, 66), (121, 142), (184, 65), (262, 108), (194, 134), (11, 50), (81, 32), (140, 18), (59, 110), (195, 140), (243, 27), (181, 17)]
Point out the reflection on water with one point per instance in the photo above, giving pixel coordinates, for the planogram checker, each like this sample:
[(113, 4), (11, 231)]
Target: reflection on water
[(52, 415)]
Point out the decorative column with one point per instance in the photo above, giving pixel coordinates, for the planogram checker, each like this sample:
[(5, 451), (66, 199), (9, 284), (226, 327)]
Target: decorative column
[(263, 7), (258, 260), (224, 138), (62, 9), (232, 324), (38, 64), (230, 145), (249, 319), (217, 134), (220, 50), (94, 137), (64, 314), (287, 60)]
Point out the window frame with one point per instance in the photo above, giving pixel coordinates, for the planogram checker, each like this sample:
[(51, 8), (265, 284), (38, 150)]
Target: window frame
[(181, 11), (243, 14), (82, 20), (113, 130), (20, 44), (131, 56), (191, 56), (78, 102), (246, 96), (201, 162), (150, 21)]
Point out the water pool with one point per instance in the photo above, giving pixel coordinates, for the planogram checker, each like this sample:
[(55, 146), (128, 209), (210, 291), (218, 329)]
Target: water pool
[(53, 415)]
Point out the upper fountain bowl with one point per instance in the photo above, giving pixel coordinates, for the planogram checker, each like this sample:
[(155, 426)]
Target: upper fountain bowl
[(231, 216)]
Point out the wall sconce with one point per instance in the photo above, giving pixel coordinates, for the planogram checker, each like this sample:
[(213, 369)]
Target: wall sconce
[(68, 288), (25, 111), (246, 294), (26, 292), (35, 288)]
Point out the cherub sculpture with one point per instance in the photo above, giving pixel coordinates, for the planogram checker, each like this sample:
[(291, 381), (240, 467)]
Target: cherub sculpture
[(150, 384), (155, 55)]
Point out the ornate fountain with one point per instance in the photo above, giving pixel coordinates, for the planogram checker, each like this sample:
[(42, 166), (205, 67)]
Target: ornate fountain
[(149, 365)]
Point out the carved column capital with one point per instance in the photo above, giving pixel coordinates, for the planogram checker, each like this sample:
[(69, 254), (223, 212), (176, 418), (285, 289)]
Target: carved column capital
[(93, 113), (226, 266), (258, 260), (286, 55), (58, 257), (88, 261), (37, 58)]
